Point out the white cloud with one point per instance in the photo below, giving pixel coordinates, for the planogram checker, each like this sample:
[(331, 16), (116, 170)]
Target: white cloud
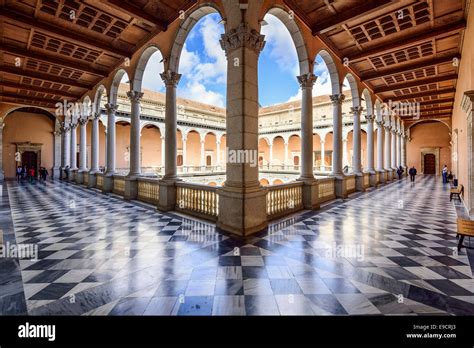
[(197, 91), (151, 75), (280, 45)]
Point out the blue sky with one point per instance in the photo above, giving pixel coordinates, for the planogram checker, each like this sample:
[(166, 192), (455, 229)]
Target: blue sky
[(203, 65)]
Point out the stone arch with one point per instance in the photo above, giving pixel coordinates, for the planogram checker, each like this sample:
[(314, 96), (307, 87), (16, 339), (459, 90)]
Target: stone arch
[(354, 89), (100, 91), (428, 121), (332, 69), (141, 66), (114, 88), (277, 182), (378, 110), (295, 32), (264, 182), (184, 29), (368, 102)]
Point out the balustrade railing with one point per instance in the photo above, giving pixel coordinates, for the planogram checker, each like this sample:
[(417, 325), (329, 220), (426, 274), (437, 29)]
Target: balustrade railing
[(119, 185), (99, 181), (284, 199), (148, 190), (326, 189), (198, 200)]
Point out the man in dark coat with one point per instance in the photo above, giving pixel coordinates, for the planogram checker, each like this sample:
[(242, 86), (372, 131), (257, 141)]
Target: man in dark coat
[(412, 173)]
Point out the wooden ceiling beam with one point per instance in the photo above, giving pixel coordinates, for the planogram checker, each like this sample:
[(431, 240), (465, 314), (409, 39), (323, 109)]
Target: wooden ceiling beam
[(349, 15), (445, 30), (18, 51), (430, 116), (437, 101), (415, 83), (26, 97), (44, 77), (422, 94), (441, 108), (409, 67), (38, 89), (59, 32), (138, 13)]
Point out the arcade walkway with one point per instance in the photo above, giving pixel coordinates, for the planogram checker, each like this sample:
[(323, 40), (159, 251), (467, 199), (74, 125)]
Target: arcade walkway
[(388, 251)]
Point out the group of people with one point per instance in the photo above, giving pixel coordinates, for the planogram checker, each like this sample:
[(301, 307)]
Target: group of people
[(25, 174)]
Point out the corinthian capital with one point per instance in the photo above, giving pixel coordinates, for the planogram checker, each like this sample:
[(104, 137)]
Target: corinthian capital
[(337, 99), (370, 118), (170, 78), (134, 96), (356, 110), (307, 80), (242, 36), (111, 108), (83, 120)]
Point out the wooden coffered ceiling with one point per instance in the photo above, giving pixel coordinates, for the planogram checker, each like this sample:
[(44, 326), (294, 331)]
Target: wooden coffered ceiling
[(402, 50), (56, 49)]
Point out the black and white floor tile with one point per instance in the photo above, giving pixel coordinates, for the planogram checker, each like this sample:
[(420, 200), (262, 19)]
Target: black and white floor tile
[(390, 251)]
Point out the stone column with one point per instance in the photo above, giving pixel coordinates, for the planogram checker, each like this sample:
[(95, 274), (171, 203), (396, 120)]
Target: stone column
[(73, 152), (163, 150), (270, 149), (184, 141), (203, 153), (399, 149), (310, 188), (2, 172), (285, 160), (380, 164), (345, 160), (94, 150), (66, 153), (218, 152), (135, 97), (131, 184), (58, 138), (242, 202), (109, 174), (82, 150), (168, 183), (393, 155), (370, 149), (340, 182), (357, 148), (404, 152), (323, 166), (387, 154)]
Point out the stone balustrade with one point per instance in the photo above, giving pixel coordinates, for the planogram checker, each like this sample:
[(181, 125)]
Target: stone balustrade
[(284, 199), (198, 200), (148, 190)]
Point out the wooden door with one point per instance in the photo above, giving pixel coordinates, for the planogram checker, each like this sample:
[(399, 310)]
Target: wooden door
[(430, 164)]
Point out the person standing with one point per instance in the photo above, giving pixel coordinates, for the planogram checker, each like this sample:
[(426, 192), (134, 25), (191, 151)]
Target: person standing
[(445, 174), (400, 172), (412, 173), (18, 173)]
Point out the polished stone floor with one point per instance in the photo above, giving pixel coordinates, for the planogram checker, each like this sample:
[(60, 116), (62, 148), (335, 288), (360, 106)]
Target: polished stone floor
[(390, 251)]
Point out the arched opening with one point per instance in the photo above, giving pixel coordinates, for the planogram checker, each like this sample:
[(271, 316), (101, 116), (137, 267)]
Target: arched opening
[(210, 150), (294, 151), (122, 147), (263, 152), (28, 140), (151, 149), (264, 182), (277, 182), (278, 150)]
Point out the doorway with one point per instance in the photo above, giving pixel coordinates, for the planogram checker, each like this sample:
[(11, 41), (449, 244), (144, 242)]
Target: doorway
[(429, 163), (30, 160)]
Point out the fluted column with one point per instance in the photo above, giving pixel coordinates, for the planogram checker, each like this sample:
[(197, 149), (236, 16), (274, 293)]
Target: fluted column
[(111, 110), (323, 166), (306, 82), (171, 80), (393, 155), (73, 147), (337, 100), (135, 98), (95, 144), (370, 143), (83, 144), (356, 140)]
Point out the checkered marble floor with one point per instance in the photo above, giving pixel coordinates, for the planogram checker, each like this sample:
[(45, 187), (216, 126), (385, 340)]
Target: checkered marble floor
[(390, 251)]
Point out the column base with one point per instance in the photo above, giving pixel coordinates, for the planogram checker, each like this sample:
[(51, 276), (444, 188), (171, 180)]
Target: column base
[(359, 181), (2, 175), (131, 188), (242, 211), (73, 175), (56, 173), (373, 179), (310, 193), (382, 178), (340, 187), (389, 174), (80, 176), (167, 197), (108, 183), (92, 180)]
